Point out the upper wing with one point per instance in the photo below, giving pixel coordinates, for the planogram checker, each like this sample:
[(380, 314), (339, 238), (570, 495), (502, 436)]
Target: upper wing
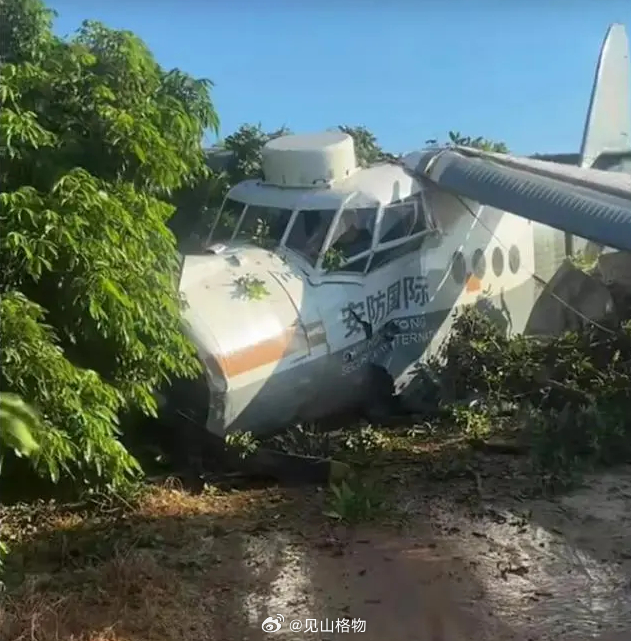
[(590, 203)]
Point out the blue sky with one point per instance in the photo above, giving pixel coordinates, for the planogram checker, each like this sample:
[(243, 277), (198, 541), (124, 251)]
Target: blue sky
[(514, 70)]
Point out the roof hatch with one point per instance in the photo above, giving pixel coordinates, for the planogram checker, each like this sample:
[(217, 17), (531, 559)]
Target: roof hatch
[(311, 160)]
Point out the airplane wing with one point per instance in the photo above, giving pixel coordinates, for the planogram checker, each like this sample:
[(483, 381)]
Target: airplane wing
[(590, 203)]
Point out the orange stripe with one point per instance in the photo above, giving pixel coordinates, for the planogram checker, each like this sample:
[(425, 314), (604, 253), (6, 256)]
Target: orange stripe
[(270, 351), (473, 283)]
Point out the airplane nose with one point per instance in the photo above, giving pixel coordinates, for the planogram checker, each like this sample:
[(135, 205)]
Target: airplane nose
[(244, 339), (211, 387), (216, 377), (217, 396)]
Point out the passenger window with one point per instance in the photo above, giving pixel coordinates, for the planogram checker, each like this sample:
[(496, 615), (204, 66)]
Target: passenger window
[(227, 221), (264, 226), (309, 231), (402, 219), (353, 234)]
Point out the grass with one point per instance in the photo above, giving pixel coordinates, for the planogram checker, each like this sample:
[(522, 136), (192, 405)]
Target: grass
[(144, 571), (170, 565), (155, 567)]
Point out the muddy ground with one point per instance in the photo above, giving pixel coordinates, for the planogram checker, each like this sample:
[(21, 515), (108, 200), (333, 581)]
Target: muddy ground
[(468, 549)]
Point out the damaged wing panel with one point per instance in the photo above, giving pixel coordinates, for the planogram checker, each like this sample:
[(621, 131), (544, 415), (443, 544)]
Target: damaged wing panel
[(589, 203)]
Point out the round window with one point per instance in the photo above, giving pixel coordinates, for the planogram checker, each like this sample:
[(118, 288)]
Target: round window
[(458, 268), (498, 261), (514, 259), (478, 263)]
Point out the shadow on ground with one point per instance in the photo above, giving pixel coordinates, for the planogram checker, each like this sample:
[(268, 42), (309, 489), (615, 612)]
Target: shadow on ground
[(550, 567), (468, 553)]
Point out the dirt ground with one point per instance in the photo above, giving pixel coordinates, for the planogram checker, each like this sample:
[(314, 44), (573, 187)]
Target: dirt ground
[(473, 555)]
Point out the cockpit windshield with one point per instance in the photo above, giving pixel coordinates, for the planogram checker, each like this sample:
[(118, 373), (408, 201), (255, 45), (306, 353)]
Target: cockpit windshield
[(353, 234), (309, 231), (264, 226), (227, 221)]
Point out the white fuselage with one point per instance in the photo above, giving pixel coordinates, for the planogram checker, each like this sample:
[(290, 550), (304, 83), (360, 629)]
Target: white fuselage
[(297, 351), (294, 331)]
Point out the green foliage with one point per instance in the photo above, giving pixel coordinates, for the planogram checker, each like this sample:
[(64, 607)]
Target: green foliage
[(95, 138), (197, 205), (480, 359), (457, 139), (243, 443), (474, 422), (19, 426), (367, 149), (365, 441), (584, 261), (251, 287), (577, 437), (355, 499), (4, 551), (247, 144), (352, 444), (306, 440), (261, 235), (25, 30), (333, 259), (575, 388)]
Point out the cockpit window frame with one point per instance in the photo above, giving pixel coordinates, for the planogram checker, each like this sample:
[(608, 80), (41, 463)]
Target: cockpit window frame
[(245, 212), (377, 248), (421, 204), (245, 208), (406, 202), (329, 234), (290, 225), (237, 227), (218, 216)]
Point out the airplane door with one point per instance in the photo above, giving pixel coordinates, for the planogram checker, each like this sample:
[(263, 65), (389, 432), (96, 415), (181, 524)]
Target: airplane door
[(307, 371), (340, 306), (331, 332), (358, 316)]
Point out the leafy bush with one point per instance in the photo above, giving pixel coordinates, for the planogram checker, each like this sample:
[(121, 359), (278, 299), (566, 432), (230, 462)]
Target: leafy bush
[(19, 425), (355, 499), (95, 138), (576, 387), (455, 138)]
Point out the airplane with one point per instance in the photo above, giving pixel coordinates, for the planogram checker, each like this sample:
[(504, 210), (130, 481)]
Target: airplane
[(324, 286)]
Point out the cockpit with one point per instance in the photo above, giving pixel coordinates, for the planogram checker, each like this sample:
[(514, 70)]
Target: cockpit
[(351, 238)]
